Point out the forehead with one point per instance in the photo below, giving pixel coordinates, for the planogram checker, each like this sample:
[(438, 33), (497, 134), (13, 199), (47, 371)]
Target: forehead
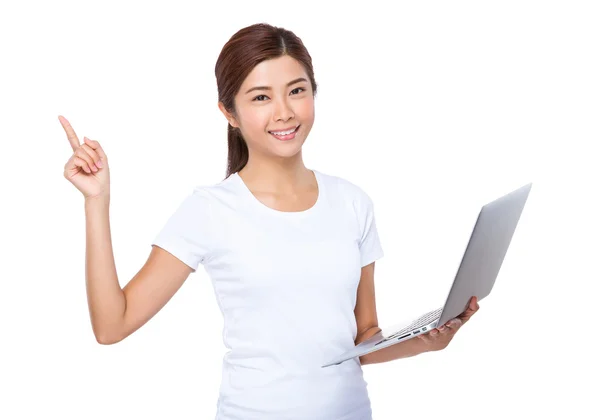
[(276, 73)]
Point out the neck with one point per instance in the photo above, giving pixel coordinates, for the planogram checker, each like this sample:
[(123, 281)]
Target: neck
[(277, 177)]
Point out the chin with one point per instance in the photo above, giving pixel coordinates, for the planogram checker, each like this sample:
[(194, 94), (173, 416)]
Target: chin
[(288, 152)]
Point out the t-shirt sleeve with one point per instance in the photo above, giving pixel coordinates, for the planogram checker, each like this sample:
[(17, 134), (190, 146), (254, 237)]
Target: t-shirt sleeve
[(369, 245), (187, 234)]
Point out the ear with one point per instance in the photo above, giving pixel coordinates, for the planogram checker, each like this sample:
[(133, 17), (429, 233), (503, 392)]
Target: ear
[(229, 117)]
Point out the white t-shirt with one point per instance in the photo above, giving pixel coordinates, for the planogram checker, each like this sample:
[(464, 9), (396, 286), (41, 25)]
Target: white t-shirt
[(286, 284)]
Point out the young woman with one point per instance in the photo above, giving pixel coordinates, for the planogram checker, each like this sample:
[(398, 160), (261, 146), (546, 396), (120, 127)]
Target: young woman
[(290, 251)]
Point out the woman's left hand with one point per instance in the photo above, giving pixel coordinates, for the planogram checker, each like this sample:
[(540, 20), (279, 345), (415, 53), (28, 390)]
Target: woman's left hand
[(439, 338)]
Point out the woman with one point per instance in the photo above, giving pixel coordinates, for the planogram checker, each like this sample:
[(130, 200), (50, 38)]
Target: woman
[(290, 251)]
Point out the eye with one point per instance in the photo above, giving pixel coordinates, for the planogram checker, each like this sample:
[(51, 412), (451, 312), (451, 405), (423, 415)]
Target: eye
[(260, 96)]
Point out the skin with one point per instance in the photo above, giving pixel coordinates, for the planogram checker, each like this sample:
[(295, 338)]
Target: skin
[(275, 171)]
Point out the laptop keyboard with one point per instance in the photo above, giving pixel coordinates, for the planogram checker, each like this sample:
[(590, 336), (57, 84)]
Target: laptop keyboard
[(420, 322)]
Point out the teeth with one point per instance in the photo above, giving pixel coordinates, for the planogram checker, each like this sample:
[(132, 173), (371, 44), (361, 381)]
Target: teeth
[(283, 133)]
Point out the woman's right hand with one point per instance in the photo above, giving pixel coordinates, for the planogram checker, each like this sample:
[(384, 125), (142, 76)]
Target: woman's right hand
[(87, 168)]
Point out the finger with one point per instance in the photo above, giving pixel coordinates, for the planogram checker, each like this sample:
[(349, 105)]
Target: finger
[(473, 304), (73, 140), (454, 324), (444, 329), (450, 325), (88, 159), (91, 152), (465, 316), (468, 313), (82, 163), (96, 146)]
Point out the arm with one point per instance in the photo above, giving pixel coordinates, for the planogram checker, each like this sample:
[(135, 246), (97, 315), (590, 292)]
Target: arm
[(367, 324), (401, 350), (116, 313)]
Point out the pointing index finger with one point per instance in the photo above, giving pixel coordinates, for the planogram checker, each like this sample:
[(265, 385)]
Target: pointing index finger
[(73, 140)]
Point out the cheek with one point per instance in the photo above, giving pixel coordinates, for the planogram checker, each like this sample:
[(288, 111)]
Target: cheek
[(255, 121), (306, 111)]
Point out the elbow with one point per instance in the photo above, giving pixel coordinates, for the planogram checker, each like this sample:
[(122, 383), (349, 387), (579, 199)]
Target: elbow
[(364, 360), (107, 338), (108, 332), (104, 340), (365, 335)]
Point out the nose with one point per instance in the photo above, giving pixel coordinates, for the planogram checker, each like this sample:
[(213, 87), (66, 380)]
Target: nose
[(283, 111)]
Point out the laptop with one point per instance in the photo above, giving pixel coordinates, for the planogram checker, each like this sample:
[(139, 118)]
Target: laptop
[(476, 274)]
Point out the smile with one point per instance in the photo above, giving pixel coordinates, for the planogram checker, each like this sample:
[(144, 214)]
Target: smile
[(286, 134)]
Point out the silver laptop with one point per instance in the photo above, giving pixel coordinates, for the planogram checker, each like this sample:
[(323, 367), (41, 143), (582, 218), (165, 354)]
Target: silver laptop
[(476, 274)]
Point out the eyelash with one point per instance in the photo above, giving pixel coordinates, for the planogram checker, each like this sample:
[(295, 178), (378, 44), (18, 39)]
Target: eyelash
[(266, 95)]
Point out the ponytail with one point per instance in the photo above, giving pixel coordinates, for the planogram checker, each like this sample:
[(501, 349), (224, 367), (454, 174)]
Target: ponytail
[(238, 150)]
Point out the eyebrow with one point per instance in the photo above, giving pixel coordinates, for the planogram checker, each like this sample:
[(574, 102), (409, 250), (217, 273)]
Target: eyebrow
[(300, 79)]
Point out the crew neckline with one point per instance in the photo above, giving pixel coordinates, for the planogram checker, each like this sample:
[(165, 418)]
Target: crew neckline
[(291, 214)]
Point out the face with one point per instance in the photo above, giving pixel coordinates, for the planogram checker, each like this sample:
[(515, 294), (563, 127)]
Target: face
[(276, 96)]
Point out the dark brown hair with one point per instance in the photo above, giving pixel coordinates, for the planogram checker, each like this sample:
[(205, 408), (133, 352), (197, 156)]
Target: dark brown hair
[(244, 50)]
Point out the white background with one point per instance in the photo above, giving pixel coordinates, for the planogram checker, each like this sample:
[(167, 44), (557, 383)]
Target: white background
[(433, 108)]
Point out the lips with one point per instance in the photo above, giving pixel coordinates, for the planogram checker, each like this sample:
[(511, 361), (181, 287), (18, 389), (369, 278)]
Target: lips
[(286, 137), (295, 128)]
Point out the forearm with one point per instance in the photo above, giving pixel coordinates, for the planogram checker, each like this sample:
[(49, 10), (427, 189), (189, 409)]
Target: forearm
[(106, 300), (401, 350)]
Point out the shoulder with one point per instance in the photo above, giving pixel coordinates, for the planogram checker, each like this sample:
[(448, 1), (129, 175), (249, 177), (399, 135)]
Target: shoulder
[(215, 189), (214, 197), (350, 188), (202, 196)]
